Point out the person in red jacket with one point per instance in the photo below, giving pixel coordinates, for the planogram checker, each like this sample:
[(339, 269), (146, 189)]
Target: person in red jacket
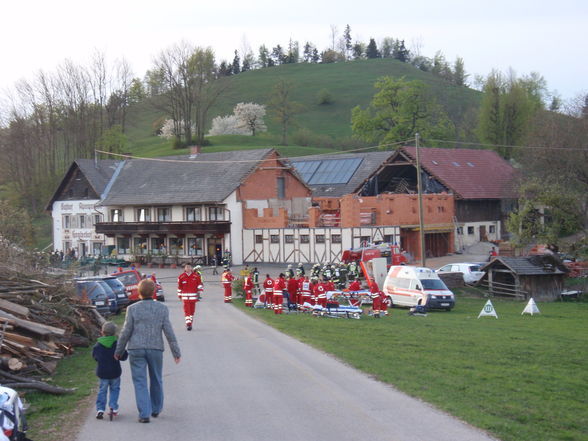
[(268, 289), (320, 293), (292, 287), (248, 287), (227, 279), (354, 299), (189, 283), (304, 291), (376, 302), (279, 287)]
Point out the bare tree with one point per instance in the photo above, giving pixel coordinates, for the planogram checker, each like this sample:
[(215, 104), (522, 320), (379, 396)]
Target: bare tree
[(283, 108)]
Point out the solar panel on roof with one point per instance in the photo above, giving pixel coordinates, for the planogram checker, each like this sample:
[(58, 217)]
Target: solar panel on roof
[(327, 171)]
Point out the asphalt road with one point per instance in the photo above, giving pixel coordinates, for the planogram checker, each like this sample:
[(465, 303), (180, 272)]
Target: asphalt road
[(242, 380)]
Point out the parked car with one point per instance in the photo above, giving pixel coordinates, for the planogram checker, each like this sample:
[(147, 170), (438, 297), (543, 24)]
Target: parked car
[(412, 286), (118, 288), (130, 279), (471, 271), (94, 293), (112, 297)]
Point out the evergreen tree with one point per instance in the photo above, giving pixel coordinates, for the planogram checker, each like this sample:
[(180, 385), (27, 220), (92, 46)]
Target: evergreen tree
[(315, 56), (223, 70), (278, 56), (246, 65), (348, 44), (307, 54), (293, 52), (236, 63), (400, 52), (372, 49), (358, 50), (459, 75), (263, 59)]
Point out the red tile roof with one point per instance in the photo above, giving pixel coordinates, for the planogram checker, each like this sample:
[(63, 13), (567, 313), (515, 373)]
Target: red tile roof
[(469, 173)]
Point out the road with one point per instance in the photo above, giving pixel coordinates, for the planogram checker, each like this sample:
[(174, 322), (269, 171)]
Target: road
[(241, 380)]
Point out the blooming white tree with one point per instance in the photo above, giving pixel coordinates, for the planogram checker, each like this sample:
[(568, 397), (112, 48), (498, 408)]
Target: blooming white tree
[(250, 117), (172, 129), (227, 125)]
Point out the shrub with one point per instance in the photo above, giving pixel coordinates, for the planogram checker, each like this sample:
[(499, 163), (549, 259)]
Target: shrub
[(324, 97)]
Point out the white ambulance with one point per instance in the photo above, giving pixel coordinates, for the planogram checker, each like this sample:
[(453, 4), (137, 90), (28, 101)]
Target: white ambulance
[(413, 285)]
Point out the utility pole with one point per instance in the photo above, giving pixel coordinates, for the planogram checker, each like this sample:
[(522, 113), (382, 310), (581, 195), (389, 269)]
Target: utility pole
[(420, 195)]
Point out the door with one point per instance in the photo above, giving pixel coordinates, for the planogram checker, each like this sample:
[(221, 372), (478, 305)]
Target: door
[(483, 236), (215, 250)]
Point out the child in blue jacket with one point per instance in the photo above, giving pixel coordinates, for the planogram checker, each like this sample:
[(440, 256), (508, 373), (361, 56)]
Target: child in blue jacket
[(108, 370)]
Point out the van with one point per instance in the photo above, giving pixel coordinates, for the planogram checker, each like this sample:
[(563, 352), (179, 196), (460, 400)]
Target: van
[(413, 285)]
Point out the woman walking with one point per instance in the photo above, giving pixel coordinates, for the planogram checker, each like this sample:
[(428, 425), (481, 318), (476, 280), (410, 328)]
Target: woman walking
[(145, 323)]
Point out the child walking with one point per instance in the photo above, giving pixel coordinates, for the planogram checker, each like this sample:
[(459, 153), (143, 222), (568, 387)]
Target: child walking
[(108, 370)]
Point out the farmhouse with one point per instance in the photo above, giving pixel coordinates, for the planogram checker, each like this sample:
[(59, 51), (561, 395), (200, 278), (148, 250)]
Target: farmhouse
[(263, 208)]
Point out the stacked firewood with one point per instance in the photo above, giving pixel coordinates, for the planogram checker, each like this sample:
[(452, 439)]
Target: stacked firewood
[(41, 321)]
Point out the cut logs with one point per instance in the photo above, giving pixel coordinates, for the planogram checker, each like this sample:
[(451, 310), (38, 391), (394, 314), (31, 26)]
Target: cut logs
[(41, 321)]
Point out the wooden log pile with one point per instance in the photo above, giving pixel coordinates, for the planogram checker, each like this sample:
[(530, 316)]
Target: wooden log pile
[(41, 321), (452, 280)]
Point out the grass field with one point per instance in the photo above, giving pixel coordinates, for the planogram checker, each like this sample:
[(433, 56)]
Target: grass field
[(350, 84), (518, 377)]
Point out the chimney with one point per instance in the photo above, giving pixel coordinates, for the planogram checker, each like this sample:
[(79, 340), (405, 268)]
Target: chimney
[(194, 150)]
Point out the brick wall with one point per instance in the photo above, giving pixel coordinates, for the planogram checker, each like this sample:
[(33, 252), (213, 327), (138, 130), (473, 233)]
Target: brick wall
[(263, 182), (396, 209), (268, 220)]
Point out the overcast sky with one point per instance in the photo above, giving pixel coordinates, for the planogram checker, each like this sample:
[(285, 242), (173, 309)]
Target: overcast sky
[(549, 37)]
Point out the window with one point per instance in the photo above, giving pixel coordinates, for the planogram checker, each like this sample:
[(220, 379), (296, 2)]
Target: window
[(470, 230), (289, 238), (460, 231), (216, 213), (319, 238), (335, 238), (163, 215), (66, 246), (195, 246), (258, 238), (123, 245), (82, 221), (274, 238), (176, 245), (441, 209), (140, 245), (116, 215), (492, 229), (96, 248), (158, 245), (281, 187), (97, 218), (143, 215), (364, 240), (86, 192), (388, 238), (304, 238), (66, 221), (193, 214)]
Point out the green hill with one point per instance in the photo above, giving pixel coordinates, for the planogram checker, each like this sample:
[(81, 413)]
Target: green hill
[(349, 84)]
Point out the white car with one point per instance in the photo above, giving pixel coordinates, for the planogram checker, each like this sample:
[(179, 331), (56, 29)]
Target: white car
[(471, 271)]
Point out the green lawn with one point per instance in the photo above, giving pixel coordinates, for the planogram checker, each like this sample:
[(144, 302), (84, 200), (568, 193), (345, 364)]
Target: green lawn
[(519, 377)]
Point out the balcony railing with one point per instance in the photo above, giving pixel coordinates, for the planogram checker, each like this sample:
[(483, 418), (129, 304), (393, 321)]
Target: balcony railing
[(196, 227)]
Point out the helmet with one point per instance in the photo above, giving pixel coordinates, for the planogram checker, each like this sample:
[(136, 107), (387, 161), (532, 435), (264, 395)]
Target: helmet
[(197, 267), (289, 266)]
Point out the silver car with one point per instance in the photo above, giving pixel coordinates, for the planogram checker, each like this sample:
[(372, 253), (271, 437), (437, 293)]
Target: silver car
[(471, 271)]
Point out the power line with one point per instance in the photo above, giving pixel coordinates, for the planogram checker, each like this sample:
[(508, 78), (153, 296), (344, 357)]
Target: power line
[(293, 158)]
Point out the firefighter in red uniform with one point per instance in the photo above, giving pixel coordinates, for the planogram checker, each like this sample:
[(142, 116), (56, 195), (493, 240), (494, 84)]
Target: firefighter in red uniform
[(268, 289), (226, 279), (248, 287), (279, 287), (376, 302), (189, 283), (384, 302)]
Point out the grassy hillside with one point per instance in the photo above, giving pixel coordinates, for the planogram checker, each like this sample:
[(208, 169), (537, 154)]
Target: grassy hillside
[(349, 84)]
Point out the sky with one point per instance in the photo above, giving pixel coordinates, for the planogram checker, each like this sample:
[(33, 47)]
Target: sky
[(526, 35)]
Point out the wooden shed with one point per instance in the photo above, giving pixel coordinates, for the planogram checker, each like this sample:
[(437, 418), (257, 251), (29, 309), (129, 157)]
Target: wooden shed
[(540, 277)]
